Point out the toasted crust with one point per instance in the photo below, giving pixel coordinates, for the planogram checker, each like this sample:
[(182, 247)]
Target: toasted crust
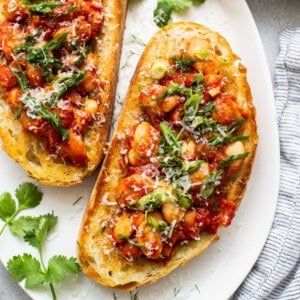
[(97, 256), (28, 151)]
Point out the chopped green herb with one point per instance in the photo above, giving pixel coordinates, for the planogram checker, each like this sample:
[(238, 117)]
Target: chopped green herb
[(175, 89), (191, 166), (150, 201), (63, 84), (20, 76), (232, 158), (38, 110), (164, 9), (209, 185), (184, 62), (42, 56), (176, 291), (184, 201), (156, 224), (191, 105), (134, 296), (43, 7), (221, 140), (130, 241)]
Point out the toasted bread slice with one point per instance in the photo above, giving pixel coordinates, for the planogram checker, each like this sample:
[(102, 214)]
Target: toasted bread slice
[(29, 151), (97, 252)]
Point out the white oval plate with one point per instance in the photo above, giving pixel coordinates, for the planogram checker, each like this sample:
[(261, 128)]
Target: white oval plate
[(221, 269)]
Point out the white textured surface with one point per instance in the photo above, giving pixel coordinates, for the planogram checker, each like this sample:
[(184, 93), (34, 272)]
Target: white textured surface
[(9, 290)]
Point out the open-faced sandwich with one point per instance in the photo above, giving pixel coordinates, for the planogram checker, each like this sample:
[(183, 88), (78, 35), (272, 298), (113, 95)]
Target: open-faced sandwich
[(58, 73), (178, 163)]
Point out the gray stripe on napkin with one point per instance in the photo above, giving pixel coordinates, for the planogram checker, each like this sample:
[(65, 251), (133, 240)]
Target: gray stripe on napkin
[(276, 274)]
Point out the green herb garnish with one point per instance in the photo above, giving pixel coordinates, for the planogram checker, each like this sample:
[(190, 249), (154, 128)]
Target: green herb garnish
[(164, 9), (211, 182), (221, 140), (184, 62), (43, 7), (38, 110), (28, 196), (156, 224), (33, 230), (63, 84), (232, 158)]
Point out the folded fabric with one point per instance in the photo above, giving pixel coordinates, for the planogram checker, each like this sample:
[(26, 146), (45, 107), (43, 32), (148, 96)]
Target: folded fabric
[(276, 274)]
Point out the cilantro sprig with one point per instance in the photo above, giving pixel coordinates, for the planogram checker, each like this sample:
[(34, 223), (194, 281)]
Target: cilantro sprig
[(33, 230), (33, 271), (28, 196), (163, 11)]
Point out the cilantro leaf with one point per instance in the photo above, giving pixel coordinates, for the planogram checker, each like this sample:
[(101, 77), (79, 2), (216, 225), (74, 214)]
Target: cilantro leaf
[(164, 9), (36, 238), (25, 225), (162, 13), (7, 206), (59, 267), (22, 225), (181, 5), (28, 195), (26, 268)]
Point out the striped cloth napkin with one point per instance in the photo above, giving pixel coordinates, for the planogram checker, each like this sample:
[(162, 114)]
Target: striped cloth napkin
[(276, 274)]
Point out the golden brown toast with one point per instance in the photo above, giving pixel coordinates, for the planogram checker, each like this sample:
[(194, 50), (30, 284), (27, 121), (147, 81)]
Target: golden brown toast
[(98, 255), (28, 150)]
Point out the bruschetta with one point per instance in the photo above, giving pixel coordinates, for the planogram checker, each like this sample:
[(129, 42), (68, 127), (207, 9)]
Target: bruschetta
[(178, 163), (58, 74)]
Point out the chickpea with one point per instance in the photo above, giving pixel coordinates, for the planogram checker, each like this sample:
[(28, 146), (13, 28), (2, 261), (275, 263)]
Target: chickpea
[(188, 150), (159, 69), (14, 10), (144, 144), (190, 218), (213, 80), (169, 103), (74, 149), (90, 82), (123, 228), (177, 114), (132, 188), (83, 29), (148, 99), (151, 240), (192, 224), (208, 66), (196, 44), (7, 78), (226, 110), (34, 74), (199, 175), (129, 251), (137, 218), (171, 211), (235, 148), (13, 97), (90, 107)]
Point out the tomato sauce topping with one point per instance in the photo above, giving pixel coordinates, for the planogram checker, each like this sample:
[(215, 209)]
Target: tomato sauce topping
[(48, 71), (178, 163)]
